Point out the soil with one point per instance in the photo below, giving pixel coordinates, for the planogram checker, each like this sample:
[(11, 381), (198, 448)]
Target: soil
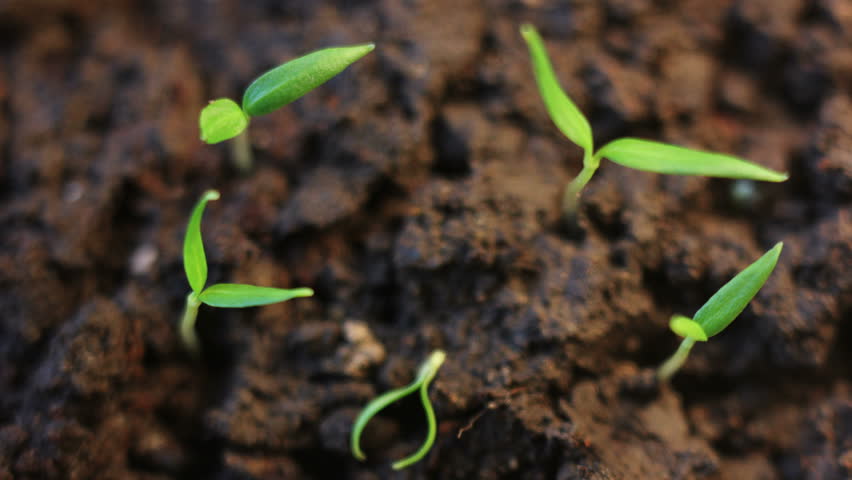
[(418, 194)]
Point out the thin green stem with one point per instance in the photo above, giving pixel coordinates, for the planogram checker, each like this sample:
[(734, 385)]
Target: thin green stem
[(377, 404), (241, 152), (431, 431), (187, 323), (427, 372), (673, 364), (572, 191)]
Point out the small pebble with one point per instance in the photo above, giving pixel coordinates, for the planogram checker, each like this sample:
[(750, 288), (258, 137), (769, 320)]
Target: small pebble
[(143, 259)]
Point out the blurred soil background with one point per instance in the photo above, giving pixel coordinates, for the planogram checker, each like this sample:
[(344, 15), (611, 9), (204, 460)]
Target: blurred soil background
[(418, 193)]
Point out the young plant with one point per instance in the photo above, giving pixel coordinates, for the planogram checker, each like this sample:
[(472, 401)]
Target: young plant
[(722, 308), (630, 152), (427, 372), (223, 119), (226, 295)]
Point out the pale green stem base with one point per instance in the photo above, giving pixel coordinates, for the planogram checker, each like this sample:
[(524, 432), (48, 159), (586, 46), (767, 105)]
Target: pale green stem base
[(673, 364), (241, 152), (570, 198), (187, 323)]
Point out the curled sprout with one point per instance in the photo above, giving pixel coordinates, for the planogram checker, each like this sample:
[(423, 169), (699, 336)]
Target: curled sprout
[(225, 295), (427, 372), (722, 308), (633, 153)]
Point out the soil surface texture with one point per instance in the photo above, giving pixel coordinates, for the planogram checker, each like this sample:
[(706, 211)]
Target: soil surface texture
[(418, 193)]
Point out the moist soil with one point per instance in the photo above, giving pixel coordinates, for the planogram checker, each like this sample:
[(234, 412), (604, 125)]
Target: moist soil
[(418, 194)]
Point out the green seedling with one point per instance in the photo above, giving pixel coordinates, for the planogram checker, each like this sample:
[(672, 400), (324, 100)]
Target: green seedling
[(224, 119), (634, 153), (722, 308), (427, 372), (225, 295)]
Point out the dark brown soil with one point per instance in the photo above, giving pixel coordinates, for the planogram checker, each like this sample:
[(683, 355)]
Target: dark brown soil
[(418, 194)]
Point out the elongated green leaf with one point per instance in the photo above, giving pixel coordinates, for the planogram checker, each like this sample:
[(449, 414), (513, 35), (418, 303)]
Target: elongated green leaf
[(726, 304), (562, 110), (235, 295), (221, 120), (194, 261), (687, 328), (665, 158), (290, 81)]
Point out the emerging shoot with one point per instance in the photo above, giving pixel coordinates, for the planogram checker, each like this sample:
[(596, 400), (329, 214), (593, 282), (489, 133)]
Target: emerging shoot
[(722, 308), (427, 372), (223, 119), (226, 295), (634, 153)]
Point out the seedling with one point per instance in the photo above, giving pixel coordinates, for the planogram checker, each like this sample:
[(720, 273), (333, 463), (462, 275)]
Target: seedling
[(225, 295), (427, 372), (722, 308), (223, 119), (630, 152)]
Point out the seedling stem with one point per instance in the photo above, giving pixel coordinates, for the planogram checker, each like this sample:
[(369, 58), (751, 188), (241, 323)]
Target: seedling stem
[(572, 192), (187, 323), (241, 152), (673, 364)]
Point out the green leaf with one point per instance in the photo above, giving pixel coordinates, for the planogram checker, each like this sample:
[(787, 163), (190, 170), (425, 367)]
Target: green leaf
[(292, 80), (687, 328), (665, 158), (726, 304), (221, 120), (427, 372), (234, 295), (562, 110), (194, 261)]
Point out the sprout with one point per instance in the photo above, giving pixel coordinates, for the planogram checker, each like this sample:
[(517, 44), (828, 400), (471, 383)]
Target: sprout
[(722, 308), (630, 152), (427, 372), (226, 295), (223, 119)]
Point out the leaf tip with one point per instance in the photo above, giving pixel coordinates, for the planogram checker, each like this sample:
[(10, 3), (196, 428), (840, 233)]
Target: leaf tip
[(778, 177), (776, 250), (210, 195), (303, 292), (528, 31)]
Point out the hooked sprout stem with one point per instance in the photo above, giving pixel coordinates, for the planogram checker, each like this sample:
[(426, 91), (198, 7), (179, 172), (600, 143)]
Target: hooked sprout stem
[(425, 374), (187, 323), (241, 153), (673, 364)]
